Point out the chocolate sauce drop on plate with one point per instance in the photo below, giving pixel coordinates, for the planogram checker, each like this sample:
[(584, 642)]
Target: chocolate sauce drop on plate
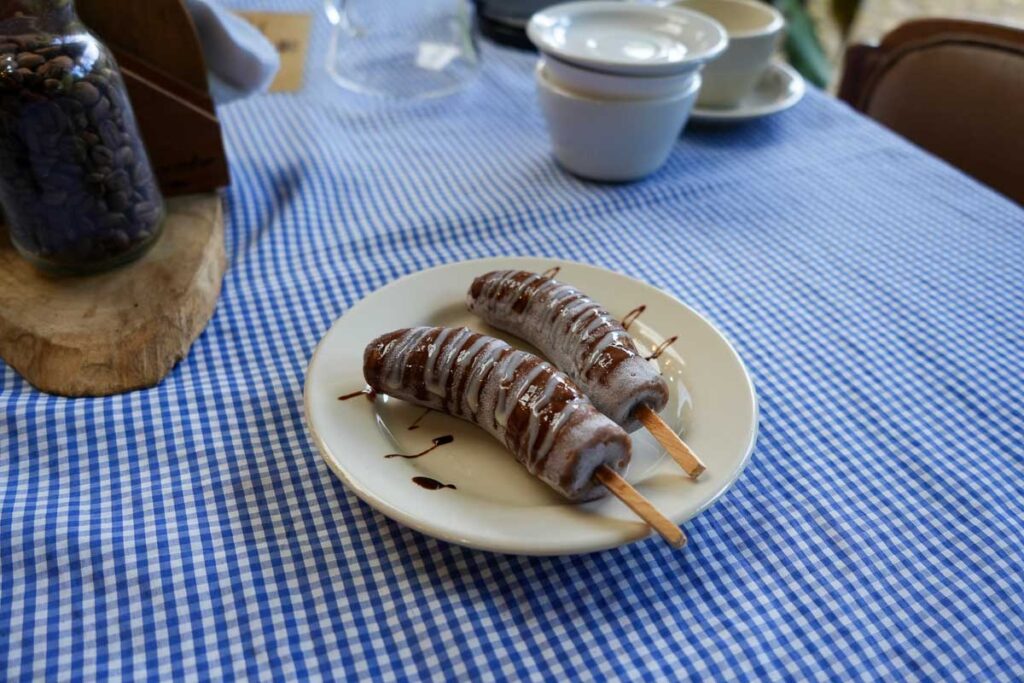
[(662, 347), (632, 316), (370, 395), (431, 484), (439, 441)]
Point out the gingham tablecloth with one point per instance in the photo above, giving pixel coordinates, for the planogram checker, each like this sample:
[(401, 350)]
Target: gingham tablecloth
[(876, 294)]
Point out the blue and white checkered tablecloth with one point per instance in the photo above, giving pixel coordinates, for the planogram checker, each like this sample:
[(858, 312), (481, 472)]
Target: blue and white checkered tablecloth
[(876, 294)]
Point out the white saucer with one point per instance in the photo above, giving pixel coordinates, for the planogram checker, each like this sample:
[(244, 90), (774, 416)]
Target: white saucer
[(779, 89), (626, 38), (496, 504)]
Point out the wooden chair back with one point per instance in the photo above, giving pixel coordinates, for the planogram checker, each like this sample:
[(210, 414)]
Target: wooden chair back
[(955, 88)]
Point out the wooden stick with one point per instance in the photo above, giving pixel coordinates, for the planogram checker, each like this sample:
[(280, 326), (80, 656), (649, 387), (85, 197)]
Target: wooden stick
[(675, 446), (621, 489)]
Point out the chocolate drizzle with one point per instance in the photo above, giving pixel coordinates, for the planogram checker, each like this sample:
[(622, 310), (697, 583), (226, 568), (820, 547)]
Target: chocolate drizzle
[(632, 316), (369, 393), (662, 347), (431, 484), (439, 441), (550, 273)]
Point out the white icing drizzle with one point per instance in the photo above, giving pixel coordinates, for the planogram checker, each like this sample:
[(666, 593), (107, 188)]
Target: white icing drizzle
[(522, 288), (540, 404), (430, 364), (597, 322), (561, 419), (494, 284), (504, 374), (475, 382), (460, 361), (548, 284), (509, 397), (394, 357), (447, 359), (612, 338)]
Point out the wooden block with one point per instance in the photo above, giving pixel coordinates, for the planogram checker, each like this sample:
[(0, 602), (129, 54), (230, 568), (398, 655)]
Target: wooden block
[(183, 140), (120, 330), (156, 45), (290, 35), (159, 31)]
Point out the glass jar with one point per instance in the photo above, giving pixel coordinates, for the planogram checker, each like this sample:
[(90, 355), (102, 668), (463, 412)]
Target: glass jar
[(75, 181)]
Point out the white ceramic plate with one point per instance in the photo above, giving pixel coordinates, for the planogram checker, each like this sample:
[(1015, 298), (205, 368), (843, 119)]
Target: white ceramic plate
[(780, 88), (625, 38), (496, 504)]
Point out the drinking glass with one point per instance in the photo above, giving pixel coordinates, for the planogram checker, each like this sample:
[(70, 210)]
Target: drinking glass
[(402, 48)]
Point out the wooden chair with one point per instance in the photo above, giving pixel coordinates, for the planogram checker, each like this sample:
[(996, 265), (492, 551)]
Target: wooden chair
[(956, 88)]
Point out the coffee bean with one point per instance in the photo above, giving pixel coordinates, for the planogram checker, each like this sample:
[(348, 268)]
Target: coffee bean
[(125, 157), (109, 134), (100, 110), (86, 93), (29, 96), (49, 119), (97, 81), (54, 196), (30, 60), (119, 240), (101, 156), (118, 181), (118, 201), (60, 179), (141, 173), (114, 221), (56, 67), (70, 106)]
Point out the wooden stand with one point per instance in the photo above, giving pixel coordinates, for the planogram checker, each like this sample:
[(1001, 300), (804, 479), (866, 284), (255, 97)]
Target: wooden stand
[(125, 329), (121, 330)]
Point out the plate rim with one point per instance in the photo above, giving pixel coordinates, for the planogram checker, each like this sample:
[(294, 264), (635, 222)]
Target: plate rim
[(472, 541), (706, 115)]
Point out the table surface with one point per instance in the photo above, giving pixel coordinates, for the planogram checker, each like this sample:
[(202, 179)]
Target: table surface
[(874, 292)]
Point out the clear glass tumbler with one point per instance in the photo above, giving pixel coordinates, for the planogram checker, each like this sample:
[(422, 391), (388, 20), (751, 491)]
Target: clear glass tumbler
[(402, 48)]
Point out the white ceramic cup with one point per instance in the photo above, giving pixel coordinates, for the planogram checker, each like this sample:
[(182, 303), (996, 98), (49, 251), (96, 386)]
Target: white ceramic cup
[(754, 29), (613, 86), (612, 140)]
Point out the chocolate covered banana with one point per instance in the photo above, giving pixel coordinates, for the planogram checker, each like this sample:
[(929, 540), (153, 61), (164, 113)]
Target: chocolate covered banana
[(575, 333), (548, 424)]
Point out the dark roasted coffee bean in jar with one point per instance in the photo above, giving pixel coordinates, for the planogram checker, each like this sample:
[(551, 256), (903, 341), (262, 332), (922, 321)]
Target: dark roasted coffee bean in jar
[(77, 188)]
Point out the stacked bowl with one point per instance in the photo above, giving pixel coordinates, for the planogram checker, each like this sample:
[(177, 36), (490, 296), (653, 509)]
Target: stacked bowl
[(617, 82)]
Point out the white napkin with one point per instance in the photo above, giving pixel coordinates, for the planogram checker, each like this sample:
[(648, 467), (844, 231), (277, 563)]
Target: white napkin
[(240, 59)]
